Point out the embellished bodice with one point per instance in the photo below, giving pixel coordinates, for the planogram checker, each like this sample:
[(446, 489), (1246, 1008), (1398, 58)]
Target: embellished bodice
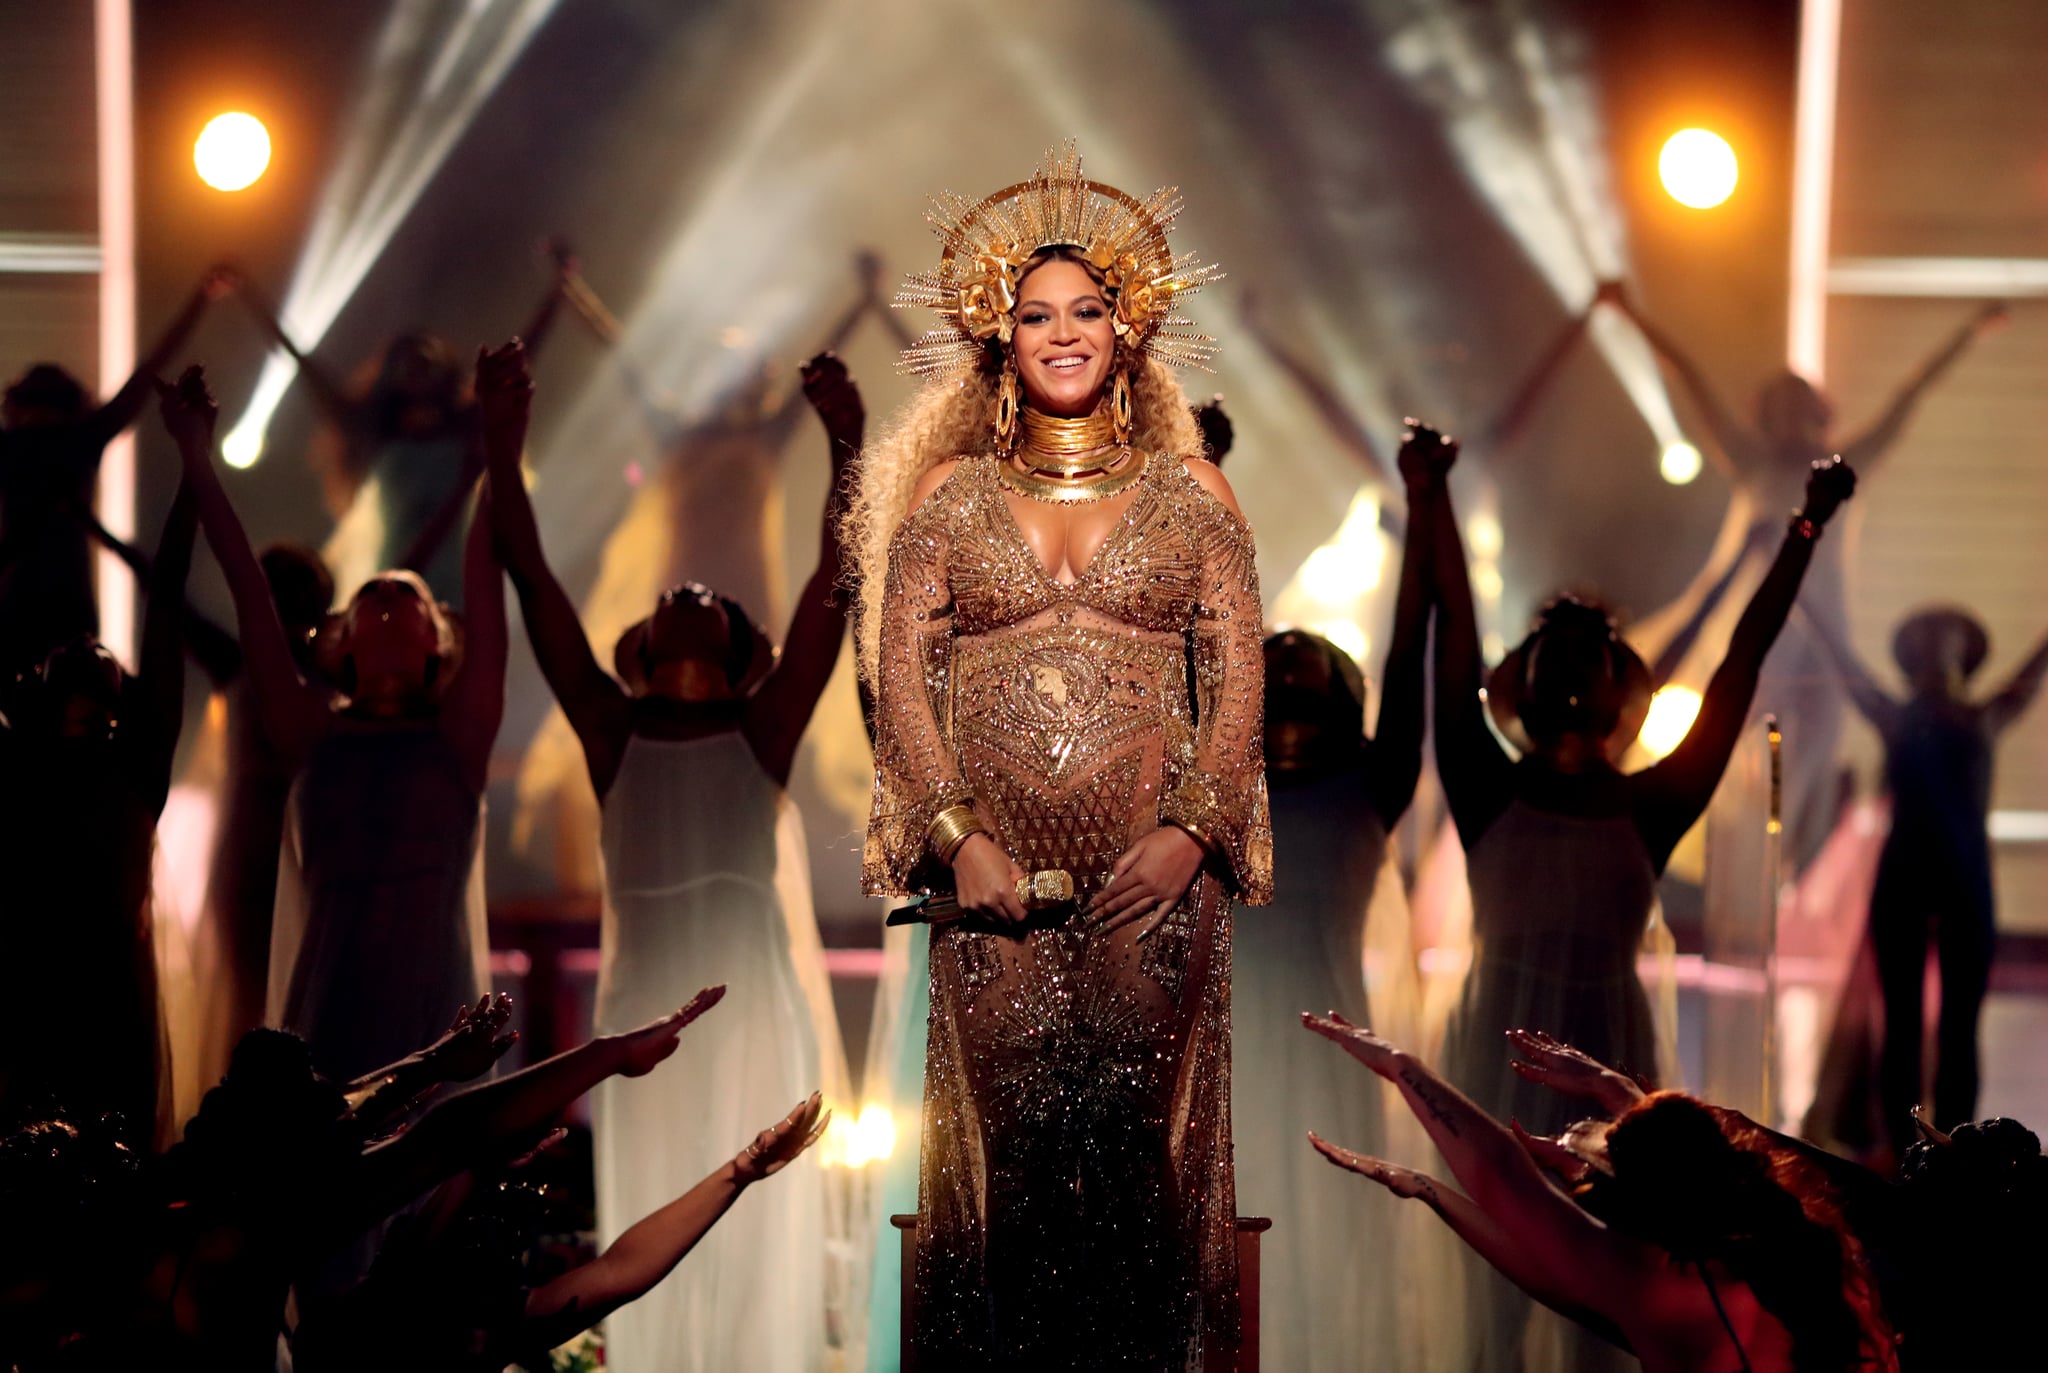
[(1078, 714)]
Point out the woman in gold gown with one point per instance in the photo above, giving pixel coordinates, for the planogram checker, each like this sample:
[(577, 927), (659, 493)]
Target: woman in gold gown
[(1060, 619)]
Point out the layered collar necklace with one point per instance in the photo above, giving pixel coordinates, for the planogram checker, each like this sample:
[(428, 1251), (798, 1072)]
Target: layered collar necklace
[(1069, 460)]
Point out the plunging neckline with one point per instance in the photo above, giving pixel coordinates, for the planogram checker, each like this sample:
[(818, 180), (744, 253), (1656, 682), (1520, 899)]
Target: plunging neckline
[(1140, 488)]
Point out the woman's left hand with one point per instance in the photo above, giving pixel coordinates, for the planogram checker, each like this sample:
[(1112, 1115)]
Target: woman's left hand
[(1148, 881), (1362, 1044)]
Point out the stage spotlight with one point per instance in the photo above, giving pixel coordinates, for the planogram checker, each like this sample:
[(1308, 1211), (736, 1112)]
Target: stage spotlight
[(1672, 711), (232, 152), (1698, 168), (1680, 464), (242, 447)]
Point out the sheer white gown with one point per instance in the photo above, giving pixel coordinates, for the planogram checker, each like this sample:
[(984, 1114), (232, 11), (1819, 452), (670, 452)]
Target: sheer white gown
[(706, 881), (1326, 1287)]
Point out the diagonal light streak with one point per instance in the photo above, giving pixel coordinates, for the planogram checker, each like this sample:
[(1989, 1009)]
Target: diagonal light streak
[(399, 135)]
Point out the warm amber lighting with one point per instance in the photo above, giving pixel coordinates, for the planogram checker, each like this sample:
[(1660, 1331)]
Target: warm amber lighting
[(1680, 464), (1672, 712), (232, 152), (1698, 168)]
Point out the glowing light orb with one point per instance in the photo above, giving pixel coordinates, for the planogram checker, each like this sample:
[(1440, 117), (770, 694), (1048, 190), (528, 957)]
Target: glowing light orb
[(1680, 464), (232, 152), (1483, 532), (1486, 581), (242, 446), (1698, 168), (1346, 635), (1672, 711)]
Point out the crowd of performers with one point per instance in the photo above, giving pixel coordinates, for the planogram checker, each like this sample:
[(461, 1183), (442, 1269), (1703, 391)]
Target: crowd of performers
[(1088, 752)]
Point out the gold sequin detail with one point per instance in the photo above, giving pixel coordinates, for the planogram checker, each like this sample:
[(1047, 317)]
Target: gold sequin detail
[(1077, 1207)]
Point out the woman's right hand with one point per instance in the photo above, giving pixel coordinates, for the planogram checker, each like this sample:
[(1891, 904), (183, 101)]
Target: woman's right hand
[(985, 880)]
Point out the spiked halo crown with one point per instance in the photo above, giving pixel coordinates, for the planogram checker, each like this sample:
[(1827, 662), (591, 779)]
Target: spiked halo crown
[(985, 243)]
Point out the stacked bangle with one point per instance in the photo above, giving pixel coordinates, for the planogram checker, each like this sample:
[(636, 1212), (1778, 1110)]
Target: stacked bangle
[(951, 828)]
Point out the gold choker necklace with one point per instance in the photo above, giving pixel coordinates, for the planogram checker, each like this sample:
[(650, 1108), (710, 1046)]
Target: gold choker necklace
[(1099, 479), (1052, 437)]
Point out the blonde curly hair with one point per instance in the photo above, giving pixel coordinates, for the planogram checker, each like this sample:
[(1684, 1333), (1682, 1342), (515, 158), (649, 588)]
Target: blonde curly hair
[(951, 418)]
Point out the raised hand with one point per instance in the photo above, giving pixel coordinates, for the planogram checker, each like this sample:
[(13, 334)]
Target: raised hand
[(558, 250), (778, 1145), (1147, 881), (1995, 315), (221, 281), (1827, 487), (830, 389), (867, 267), (1402, 1182), (476, 1040), (1362, 1044), (504, 396), (1553, 1156), (1554, 1064), (189, 413), (641, 1051), (1426, 456)]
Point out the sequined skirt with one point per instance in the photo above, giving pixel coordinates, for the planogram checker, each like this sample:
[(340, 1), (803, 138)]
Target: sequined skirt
[(1077, 1205)]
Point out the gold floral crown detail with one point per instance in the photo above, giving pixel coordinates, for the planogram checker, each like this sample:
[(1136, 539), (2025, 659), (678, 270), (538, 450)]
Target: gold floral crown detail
[(987, 241)]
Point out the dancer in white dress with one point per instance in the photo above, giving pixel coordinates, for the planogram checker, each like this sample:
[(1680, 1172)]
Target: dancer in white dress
[(705, 879), (1563, 849), (1334, 796), (378, 935)]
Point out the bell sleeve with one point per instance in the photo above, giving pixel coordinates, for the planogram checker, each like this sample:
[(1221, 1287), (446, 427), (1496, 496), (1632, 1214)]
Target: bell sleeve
[(1221, 799), (917, 774)]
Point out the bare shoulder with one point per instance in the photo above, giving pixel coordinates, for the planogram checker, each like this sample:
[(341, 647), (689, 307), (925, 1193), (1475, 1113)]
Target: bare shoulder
[(934, 478), (1210, 478)]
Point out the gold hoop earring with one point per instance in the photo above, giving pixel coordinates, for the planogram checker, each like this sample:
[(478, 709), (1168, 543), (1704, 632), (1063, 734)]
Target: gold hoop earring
[(1120, 408), (1007, 402)]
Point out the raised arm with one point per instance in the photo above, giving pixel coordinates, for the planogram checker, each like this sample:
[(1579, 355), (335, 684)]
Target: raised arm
[(456, 1131), (1478, 777), (1672, 794), (474, 704), (294, 714), (1734, 448), (162, 678), (328, 393), (650, 1250), (1864, 451), (125, 405), (1871, 700), (1534, 1272), (1394, 757), (476, 1040), (1590, 1266), (595, 704), (1513, 419), (211, 646), (542, 322), (781, 709), (2011, 700)]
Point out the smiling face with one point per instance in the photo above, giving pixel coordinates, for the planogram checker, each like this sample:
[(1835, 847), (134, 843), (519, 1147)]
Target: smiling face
[(1065, 340)]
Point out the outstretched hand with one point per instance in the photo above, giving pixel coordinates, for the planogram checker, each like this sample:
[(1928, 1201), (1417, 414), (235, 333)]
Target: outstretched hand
[(776, 1147), (222, 280), (1553, 1156), (1829, 485), (830, 389), (1402, 1182), (477, 1039), (1995, 315), (1554, 1064), (1362, 1044), (641, 1051), (189, 412), (1426, 456)]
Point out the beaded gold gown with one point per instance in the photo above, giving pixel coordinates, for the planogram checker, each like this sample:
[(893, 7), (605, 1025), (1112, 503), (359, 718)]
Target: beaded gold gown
[(1076, 1203)]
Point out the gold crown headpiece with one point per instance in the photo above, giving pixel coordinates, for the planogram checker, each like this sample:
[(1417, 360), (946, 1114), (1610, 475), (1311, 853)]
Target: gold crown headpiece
[(986, 242)]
